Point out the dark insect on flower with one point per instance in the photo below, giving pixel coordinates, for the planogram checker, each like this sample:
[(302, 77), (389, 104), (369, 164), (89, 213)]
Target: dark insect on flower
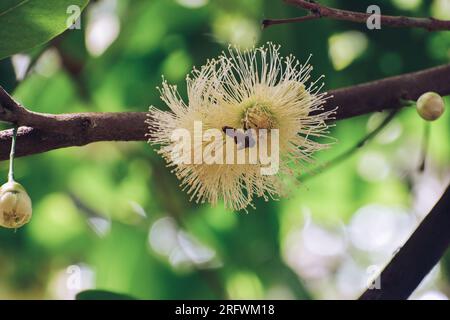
[(243, 138)]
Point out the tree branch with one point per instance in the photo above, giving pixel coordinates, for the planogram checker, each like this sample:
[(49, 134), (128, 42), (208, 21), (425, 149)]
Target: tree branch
[(42, 132), (31, 141), (417, 257), (388, 93), (318, 10), (90, 126)]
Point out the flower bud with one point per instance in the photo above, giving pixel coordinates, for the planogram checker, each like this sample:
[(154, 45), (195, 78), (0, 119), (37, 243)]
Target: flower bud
[(430, 106), (15, 205)]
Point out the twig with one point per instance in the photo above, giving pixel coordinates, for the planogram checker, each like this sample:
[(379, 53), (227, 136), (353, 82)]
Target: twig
[(425, 143), (270, 22), (346, 154), (12, 155), (320, 11), (417, 257), (41, 132)]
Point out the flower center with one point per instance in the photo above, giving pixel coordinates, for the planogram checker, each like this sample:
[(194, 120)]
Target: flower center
[(258, 116)]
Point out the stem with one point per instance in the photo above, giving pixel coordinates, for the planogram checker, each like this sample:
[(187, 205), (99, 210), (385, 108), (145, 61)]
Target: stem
[(270, 22), (11, 155), (425, 142), (346, 154)]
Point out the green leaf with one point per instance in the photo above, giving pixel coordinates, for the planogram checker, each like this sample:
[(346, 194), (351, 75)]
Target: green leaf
[(25, 24), (102, 295)]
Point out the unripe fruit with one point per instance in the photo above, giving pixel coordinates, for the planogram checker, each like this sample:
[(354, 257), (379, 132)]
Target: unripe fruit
[(430, 106), (15, 205)]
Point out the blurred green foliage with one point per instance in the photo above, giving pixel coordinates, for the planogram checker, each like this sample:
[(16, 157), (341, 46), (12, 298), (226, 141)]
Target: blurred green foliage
[(26, 24), (115, 210)]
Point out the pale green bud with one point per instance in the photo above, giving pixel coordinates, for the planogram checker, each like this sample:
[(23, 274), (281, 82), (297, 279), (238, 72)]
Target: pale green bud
[(15, 205), (430, 106)]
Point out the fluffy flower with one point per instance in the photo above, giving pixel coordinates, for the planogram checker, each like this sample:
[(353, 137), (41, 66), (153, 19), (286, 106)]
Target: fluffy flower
[(243, 90)]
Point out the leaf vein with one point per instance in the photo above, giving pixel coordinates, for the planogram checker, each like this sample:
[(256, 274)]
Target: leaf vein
[(14, 7)]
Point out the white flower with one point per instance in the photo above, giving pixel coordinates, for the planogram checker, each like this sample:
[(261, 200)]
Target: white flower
[(251, 90)]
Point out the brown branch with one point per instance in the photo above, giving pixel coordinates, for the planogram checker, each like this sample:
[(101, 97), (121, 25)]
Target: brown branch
[(389, 93), (44, 132), (318, 10), (270, 22), (31, 141), (417, 257)]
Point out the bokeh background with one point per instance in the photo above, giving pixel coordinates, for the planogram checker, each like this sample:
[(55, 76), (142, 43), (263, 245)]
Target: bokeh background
[(111, 216)]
